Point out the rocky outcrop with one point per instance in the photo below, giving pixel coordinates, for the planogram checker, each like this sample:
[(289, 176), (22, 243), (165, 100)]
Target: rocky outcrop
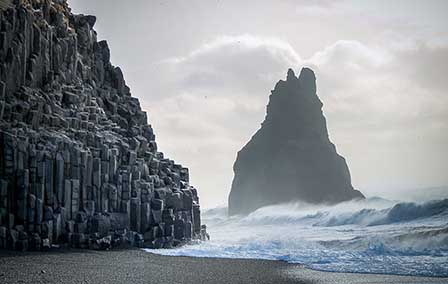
[(290, 157), (78, 161)]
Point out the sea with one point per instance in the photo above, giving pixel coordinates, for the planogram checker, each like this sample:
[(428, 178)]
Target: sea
[(375, 235)]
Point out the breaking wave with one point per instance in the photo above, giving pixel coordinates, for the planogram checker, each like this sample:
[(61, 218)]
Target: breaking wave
[(371, 236), (401, 212)]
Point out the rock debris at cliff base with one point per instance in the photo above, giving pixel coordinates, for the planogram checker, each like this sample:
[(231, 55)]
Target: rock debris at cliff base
[(78, 162)]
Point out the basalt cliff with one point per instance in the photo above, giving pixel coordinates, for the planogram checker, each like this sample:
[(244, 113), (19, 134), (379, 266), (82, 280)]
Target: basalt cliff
[(290, 158), (79, 164)]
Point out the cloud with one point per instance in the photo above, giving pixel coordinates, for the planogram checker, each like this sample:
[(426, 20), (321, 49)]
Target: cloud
[(387, 110), (426, 64), (224, 63), (378, 87), (205, 85), (322, 8), (213, 99), (221, 84), (210, 101)]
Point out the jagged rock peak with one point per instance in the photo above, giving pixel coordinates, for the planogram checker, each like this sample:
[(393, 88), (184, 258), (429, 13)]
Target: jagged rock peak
[(290, 157), (291, 75)]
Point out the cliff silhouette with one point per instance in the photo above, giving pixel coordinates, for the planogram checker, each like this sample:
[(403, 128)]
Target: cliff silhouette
[(290, 158)]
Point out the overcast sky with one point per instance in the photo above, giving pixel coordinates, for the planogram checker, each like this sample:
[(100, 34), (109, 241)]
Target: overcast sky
[(203, 70)]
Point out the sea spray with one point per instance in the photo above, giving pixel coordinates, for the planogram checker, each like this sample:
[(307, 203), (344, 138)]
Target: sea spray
[(356, 236)]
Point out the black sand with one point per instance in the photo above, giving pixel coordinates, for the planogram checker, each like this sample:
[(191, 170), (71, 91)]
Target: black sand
[(136, 266)]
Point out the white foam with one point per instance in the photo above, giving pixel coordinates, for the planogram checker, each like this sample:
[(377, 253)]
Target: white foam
[(371, 236)]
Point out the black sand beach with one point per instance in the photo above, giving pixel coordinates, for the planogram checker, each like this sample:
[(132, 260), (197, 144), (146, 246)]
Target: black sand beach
[(136, 266)]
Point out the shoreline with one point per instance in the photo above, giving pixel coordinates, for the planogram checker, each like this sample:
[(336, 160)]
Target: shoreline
[(139, 266), (303, 266)]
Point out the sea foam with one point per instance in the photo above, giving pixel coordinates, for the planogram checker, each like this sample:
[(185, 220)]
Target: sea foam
[(369, 236)]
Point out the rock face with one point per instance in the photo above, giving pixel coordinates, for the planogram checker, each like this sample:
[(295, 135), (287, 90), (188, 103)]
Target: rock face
[(290, 157), (78, 161)]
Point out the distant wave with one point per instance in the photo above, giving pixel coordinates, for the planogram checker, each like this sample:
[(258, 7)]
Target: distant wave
[(349, 213), (401, 212)]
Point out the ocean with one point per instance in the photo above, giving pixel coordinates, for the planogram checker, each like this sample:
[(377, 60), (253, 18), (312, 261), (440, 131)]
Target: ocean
[(375, 235)]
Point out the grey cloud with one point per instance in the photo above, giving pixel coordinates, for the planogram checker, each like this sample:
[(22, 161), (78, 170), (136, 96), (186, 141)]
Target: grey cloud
[(427, 65), (233, 65), (204, 70), (371, 100)]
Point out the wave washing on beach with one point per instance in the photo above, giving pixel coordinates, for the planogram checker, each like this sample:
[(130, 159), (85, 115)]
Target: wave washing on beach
[(371, 236)]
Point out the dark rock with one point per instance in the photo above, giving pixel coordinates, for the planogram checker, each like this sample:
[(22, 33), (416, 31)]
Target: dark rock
[(188, 230), (91, 20), (70, 226), (174, 200), (157, 204), (78, 160), (145, 216), (100, 224), (13, 238), (48, 214), (156, 216), (80, 228), (79, 240), (46, 244), (187, 199), (204, 235), (35, 242), (70, 98), (138, 240), (290, 157), (168, 216), (80, 217), (179, 229), (135, 214), (196, 219), (22, 245), (119, 221)]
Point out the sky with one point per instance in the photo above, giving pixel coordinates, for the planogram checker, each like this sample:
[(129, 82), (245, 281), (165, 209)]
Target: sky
[(203, 70)]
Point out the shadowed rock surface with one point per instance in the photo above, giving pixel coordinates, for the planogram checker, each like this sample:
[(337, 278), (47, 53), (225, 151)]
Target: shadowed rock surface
[(78, 161), (290, 157)]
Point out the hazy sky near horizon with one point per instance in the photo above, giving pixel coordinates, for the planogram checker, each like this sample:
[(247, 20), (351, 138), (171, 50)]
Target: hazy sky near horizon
[(203, 70)]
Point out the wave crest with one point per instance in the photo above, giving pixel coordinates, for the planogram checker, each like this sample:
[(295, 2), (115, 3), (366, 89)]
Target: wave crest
[(369, 236)]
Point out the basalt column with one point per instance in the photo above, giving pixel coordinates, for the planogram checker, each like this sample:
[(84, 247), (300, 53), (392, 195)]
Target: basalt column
[(78, 160)]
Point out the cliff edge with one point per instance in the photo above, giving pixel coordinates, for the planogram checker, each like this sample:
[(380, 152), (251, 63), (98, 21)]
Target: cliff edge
[(78, 161)]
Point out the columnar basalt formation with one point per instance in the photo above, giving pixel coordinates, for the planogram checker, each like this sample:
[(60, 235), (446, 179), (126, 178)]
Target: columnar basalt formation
[(78, 161), (290, 158)]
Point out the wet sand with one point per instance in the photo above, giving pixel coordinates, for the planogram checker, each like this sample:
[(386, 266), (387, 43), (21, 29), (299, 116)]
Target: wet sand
[(136, 266)]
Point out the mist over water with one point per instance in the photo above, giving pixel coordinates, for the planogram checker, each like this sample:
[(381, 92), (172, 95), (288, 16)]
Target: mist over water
[(371, 236)]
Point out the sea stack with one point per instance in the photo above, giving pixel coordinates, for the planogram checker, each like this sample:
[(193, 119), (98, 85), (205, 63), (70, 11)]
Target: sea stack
[(291, 158), (79, 163)]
